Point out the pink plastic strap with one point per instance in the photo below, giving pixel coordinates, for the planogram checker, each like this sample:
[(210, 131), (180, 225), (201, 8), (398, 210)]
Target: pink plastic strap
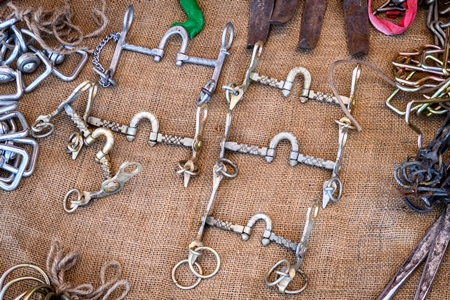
[(390, 28)]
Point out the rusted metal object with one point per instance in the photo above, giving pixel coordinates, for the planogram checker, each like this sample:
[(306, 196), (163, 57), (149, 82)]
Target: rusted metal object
[(259, 26), (356, 26), (313, 13), (283, 11)]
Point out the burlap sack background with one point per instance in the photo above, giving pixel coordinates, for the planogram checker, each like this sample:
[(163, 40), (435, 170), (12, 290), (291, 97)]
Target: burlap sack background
[(357, 244)]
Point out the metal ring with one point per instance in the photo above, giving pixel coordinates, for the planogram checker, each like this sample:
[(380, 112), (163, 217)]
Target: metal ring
[(415, 208), (185, 261), (183, 170), (36, 128), (228, 27), (229, 162), (191, 263), (28, 62), (305, 279), (10, 283), (338, 186), (43, 289), (73, 205), (128, 18), (277, 280), (9, 271), (7, 74)]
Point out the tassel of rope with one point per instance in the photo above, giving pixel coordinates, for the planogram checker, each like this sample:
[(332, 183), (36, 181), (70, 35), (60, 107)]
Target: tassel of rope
[(58, 23), (58, 263)]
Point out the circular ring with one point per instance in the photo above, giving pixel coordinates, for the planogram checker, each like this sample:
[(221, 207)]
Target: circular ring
[(185, 261), (28, 62), (191, 263), (9, 271), (39, 126), (282, 274), (73, 204), (231, 89), (43, 289), (128, 18), (74, 142), (184, 170), (337, 185), (9, 284), (415, 208), (305, 280), (228, 27), (55, 58), (7, 74), (230, 163)]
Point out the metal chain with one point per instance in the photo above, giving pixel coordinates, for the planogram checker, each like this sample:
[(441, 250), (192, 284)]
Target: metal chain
[(95, 60)]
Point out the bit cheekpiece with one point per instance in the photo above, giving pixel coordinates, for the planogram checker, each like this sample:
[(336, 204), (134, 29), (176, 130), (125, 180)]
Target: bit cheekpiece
[(187, 168), (112, 184)]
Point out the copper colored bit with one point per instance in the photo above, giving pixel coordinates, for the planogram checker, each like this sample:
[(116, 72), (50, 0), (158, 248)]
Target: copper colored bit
[(283, 11), (313, 13), (356, 26), (258, 27)]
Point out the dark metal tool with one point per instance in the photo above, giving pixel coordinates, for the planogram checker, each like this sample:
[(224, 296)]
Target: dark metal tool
[(283, 11), (266, 12), (432, 245), (259, 26), (356, 26), (313, 13)]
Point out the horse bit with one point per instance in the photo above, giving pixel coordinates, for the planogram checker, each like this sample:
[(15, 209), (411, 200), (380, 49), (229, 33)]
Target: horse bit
[(332, 188), (17, 49), (234, 94), (188, 167), (112, 184)]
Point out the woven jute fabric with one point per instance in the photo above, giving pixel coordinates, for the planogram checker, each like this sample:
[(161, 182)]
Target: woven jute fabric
[(356, 245)]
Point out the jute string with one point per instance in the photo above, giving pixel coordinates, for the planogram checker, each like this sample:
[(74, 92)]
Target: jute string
[(58, 263), (58, 23)]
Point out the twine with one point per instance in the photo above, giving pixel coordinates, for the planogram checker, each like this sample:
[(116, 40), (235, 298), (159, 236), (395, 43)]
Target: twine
[(57, 265), (58, 23)]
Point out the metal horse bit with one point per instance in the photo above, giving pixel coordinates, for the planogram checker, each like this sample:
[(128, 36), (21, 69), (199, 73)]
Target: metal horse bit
[(332, 189), (186, 167), (234, 95), (288, 272), (112, 184)]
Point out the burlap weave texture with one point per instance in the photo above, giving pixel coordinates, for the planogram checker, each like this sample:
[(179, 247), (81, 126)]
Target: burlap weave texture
[(356, 245)]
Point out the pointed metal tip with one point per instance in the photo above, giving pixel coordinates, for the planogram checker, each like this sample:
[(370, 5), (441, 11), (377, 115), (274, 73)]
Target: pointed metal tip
[(233, 103), (304, 44), (186, 179), (75, 154), (325, 202)]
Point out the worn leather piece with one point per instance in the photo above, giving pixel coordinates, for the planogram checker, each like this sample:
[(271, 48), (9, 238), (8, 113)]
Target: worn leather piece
[(356, 27), (259, 26), (283, 11), (312, 19)]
